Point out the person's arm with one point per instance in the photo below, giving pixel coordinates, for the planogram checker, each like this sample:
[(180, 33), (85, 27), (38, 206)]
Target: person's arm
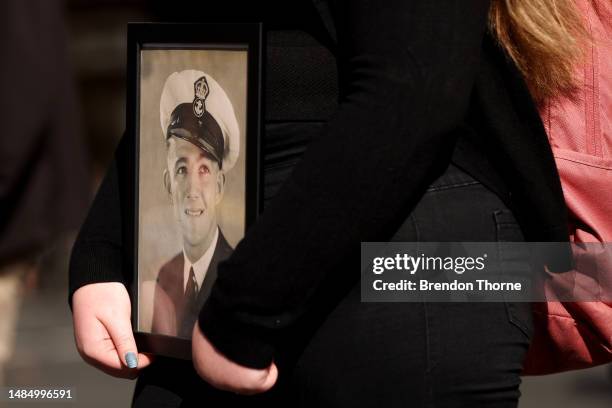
[(97, 252), (407, 69), (101, 307)]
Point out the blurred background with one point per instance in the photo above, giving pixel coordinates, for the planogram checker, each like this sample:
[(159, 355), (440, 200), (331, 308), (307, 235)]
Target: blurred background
[(63, 95)]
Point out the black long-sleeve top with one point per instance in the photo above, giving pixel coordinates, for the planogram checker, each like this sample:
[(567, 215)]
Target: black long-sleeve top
[(43, 160), (421, 83)]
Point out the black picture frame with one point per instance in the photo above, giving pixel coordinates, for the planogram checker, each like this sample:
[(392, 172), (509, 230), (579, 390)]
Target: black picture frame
[(171, 36)]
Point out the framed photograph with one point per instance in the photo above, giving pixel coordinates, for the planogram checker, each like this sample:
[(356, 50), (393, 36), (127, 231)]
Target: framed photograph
[(191, 176)]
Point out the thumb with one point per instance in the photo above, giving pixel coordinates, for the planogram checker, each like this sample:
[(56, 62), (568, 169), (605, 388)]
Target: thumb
[(120, 331)]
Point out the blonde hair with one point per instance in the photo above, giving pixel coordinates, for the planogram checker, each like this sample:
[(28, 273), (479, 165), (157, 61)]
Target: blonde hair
[(545, 39)]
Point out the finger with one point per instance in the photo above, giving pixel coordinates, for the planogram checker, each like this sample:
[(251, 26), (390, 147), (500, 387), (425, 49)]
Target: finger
[(120, 330), (91, 322), (271, 379), (258, 381), (97, 348), (94, 342), (225, 374)]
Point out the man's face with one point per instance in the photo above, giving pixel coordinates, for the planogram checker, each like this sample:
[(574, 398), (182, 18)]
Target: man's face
[(196, 187)]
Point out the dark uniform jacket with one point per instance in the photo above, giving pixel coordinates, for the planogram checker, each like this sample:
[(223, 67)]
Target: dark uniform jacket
[(171, 281), (385, 95)]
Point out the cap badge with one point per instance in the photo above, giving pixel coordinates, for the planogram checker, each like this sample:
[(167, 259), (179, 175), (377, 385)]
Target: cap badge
[(201, 90)]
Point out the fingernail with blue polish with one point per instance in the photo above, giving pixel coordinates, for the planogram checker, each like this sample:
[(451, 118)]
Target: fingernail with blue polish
[(131, 360)]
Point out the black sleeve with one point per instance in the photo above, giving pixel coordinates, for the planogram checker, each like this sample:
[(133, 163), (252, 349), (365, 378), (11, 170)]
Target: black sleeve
[(97, 252), (406, 70)]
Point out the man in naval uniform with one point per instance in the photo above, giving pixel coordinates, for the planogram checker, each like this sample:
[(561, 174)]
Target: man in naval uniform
[(202, 140)]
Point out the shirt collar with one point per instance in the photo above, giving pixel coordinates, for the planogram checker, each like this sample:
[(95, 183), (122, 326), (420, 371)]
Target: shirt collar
[(200, 267)]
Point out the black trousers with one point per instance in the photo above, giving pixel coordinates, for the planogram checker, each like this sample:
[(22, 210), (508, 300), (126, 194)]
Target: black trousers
[(396, 354)]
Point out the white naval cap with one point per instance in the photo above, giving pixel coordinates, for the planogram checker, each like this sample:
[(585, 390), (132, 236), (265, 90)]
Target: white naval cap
[(194, 107)]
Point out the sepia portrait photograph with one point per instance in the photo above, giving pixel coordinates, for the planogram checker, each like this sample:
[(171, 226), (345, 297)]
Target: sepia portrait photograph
[(191, 185)]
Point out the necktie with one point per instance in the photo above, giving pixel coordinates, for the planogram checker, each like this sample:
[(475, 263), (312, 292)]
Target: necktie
[(190, 310), (191, 291)]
